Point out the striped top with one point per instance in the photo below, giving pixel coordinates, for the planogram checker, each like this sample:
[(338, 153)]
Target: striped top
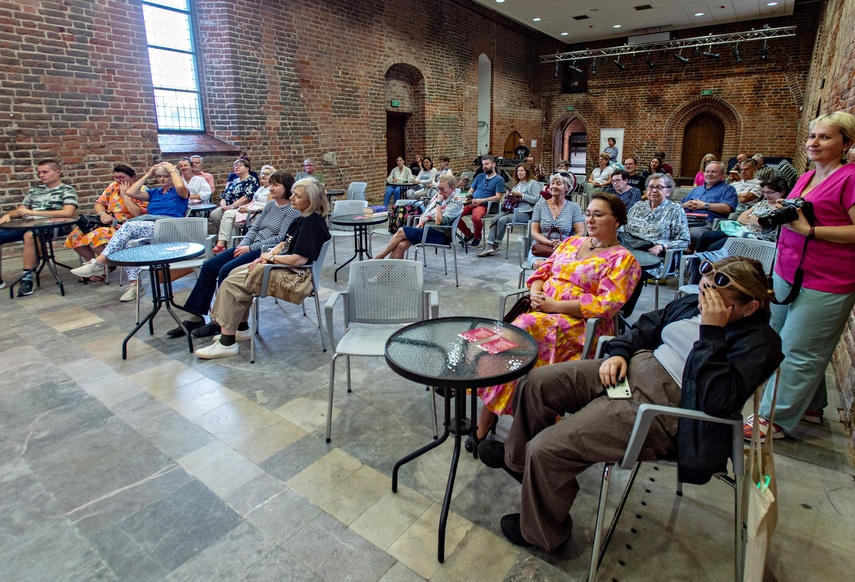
[(269, 229)]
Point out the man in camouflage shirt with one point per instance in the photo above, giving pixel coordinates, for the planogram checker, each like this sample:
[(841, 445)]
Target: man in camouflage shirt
[(51, 199)]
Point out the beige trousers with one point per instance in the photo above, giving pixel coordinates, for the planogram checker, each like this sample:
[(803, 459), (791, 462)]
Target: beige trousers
[(231, 308)]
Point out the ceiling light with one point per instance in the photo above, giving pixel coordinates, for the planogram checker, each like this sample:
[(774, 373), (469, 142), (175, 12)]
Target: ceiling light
[(564, 33), (535, 19), (763, 51), (681, 58), (736, 56), (572, 66), (616, 26), (771, 4), (499, 1), (710, 54), (619, 64), (593, 66), (699, 13), (649, 62)]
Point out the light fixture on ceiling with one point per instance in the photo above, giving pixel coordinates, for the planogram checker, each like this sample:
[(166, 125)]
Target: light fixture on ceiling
[(535, 19), (616, 26), (763, 51), (649, 62), (710, 54), (619, 64), (679, 56), (699, 13), (593, 67), (735, 51), (564, 33), (572, 66)]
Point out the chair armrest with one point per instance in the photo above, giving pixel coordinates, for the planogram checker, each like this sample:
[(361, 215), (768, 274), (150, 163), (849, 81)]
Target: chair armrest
[(503, 298), (648, 412), (135, 242), (237, 237), (601, 346), (432, 303), (592, 324), (684, 263), (328, 314)]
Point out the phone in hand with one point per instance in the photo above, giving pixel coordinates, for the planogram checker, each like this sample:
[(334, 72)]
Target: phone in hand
[(620, 391)]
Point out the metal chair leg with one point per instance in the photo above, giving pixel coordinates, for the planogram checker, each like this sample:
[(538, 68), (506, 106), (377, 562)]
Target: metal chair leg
[(330, 397)]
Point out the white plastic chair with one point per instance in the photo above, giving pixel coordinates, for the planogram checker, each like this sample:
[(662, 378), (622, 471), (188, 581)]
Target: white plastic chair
[(752, 248), (647, 413), (341, 208), (450, 230), (316, 268), (381, 297), (522, 256), (519, 218), (356, 190)]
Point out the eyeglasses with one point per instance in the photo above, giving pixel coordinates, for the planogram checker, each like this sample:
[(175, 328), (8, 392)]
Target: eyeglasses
[(597, 215), (657, 188), (721, 279)]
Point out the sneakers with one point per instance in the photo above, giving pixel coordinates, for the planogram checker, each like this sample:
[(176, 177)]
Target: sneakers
[(467, 239), (812, 417), (476, 242), (2, 284), (206, 330), (217, 350), (25, 287), (489, 251), (764, 427), (131, 293), (91, 269)]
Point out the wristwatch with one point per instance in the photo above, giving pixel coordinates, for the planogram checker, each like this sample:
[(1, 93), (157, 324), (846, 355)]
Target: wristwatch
[(706, 205)]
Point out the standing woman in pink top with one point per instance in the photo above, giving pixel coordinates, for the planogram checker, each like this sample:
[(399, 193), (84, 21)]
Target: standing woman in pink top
[(823, 252)]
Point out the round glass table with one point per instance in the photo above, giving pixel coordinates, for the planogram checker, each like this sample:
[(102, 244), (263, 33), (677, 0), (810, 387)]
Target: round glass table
[(42, 229), (457, 353), (359, 223)]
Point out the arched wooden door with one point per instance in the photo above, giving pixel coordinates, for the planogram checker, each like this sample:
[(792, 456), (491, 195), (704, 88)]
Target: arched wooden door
[(511, 145), (703, 135)]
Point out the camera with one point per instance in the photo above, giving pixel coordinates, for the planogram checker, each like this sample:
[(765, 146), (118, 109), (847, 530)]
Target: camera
[(788, 212)]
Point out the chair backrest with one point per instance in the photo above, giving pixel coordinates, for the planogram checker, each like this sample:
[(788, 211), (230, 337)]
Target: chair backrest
[(387, 291), (356, 190), (467, 174), (318, 265), (180, 230), (762, 250), (341, 207)]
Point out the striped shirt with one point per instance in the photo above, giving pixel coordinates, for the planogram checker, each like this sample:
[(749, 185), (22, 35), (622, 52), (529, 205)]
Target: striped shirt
[(269, 229)]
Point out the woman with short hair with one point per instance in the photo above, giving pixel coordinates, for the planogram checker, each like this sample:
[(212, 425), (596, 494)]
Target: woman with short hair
[(555, 219)]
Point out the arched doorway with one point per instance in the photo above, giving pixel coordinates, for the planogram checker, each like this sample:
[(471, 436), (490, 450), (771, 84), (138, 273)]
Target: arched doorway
[(704, 134), (485, 98), (405, 113), (511, 145), (570, 142)]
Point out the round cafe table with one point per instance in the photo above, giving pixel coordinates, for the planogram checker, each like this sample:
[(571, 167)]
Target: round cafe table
[(42, 229), (157, 258), (433, 353), (359, 223)]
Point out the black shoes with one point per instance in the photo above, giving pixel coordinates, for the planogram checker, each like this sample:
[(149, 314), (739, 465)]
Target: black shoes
[(206, 330), (492, 454), (25, 287), (513, 531), (467, 239), (476, 242), (190, 325)]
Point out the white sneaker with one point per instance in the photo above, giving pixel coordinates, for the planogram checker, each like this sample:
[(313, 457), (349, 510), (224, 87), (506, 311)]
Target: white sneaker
[(131, 293), (240, 335), (91, 269), (217, 350)]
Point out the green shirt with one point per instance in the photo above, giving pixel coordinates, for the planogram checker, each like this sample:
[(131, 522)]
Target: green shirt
[(44, 198)]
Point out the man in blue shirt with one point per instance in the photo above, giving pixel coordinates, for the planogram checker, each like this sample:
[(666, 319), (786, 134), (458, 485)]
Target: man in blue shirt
[(715, 199), (487, 187)]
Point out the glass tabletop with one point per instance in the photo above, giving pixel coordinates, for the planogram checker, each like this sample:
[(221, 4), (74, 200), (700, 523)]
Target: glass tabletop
[(38, 223), (357, 219), (160, 253), (433, 352)]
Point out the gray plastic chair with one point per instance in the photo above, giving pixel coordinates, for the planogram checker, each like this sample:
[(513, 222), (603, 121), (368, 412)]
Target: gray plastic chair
[(381, 298), (356, 190), (450, 229), (341, 208), (522, 256), (316, 268), (752, 248), (518, 219)]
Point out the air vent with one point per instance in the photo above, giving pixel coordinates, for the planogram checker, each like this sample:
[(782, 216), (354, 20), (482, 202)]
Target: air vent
[(583, 17), (644, 7)]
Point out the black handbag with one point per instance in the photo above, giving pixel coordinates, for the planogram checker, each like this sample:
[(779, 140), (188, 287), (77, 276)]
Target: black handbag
[(89, 222), (523, 305)]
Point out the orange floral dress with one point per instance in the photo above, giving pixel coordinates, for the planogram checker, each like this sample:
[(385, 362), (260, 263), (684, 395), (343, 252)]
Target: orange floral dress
[(602, 283), (110, 199)]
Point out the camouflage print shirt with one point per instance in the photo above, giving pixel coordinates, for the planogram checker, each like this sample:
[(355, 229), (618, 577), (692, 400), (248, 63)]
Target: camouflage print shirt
[(44, 198)]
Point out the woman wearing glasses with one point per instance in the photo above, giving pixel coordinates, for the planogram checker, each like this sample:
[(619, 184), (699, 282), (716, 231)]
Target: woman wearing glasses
[(657, 224), (704, 352), (555, 219), (238, 216), (585, 277)]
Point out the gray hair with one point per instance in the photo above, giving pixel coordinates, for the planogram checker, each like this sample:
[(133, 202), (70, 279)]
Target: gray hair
[(669, 181), (566, 177), (316, 192), (197, 156)]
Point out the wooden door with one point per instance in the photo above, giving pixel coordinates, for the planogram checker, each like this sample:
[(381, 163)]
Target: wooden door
[(396, 140), (703, 135), (511, 145)]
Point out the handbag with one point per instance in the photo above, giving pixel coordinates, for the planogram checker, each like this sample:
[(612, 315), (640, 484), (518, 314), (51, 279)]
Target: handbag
[(523, 305), (291, 285), (89, 222), (761, 492), (510, 204), (542, 249)]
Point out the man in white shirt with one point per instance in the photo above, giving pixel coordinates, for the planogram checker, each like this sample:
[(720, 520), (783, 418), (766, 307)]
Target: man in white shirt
[(196, 162), (747, 187), (200, 190)]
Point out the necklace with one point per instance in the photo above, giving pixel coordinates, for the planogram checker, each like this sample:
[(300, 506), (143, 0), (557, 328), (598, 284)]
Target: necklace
[(601, 245)]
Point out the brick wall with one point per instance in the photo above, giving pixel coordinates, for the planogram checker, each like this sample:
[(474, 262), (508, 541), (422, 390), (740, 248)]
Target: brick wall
[(830, 88)]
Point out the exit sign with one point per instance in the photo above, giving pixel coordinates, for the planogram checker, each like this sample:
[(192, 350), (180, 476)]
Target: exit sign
[(706, 92), (569, 108), (396, 103)]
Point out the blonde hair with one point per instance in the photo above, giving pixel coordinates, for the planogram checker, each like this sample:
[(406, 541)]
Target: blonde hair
[(749, 276), (706, 159), (845, 122), (317, 196)]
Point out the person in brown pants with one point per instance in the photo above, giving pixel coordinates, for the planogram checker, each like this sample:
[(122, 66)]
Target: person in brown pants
[(718, 343)]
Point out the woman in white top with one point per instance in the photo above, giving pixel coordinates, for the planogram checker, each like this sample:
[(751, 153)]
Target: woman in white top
[(426, 177), (601, 176), (400, 174)]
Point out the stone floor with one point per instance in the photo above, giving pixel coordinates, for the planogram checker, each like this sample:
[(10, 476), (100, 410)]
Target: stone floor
[(168, 467)]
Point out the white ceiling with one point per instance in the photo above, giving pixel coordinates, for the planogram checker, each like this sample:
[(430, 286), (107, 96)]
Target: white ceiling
[(603, 15)]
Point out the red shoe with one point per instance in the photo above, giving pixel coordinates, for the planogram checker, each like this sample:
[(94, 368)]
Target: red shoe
[(773, 430), (218, 249), (812, 417)]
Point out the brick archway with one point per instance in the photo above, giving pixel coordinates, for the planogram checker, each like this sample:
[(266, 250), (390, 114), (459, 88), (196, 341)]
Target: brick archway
[(561, 129), (676, 126), (405, 112)]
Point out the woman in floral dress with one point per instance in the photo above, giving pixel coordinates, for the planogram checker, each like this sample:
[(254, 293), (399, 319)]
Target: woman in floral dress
[(585, 277), (113, 205)]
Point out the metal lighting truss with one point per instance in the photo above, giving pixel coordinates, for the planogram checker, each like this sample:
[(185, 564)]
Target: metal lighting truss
[(682, 43)]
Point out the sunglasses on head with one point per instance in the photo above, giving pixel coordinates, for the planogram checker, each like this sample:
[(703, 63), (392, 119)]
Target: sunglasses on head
[(721, 279)]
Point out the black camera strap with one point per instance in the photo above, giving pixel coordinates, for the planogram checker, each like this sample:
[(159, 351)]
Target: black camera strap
[(797, 279)]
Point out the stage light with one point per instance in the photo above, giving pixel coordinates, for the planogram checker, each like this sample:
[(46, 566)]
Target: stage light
[(649, 62), (681, 58), (763, 51), (619, 65), (736, 56)]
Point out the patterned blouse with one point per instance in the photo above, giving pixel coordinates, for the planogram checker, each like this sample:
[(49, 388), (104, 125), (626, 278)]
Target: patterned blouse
[(664, 225), (237, 189)]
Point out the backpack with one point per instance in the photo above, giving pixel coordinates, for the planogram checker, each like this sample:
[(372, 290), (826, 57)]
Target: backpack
[(399, 215)]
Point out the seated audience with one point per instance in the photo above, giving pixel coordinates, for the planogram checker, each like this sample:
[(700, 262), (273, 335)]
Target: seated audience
[(425, 178), (536, 169), (601, 176), (198, 170), (51, 199), (486, 187), (621, 188), (526, 192), (443, 208), (715, 199), (763, 172), (705, 352), (400, 174), (310, 170), (113, 208), (302, 244), (200, 190), (636, 179), (416, 166), (747, 187), (653, 167), (233, 175), (168, 200), (666, 168), (563, 166), (788, 173), (238, 192), (238, 216), (585, 277), (699, 177), (554, 220), (267, 230)]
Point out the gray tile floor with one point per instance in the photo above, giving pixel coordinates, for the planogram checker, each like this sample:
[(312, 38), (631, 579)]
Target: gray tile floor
[(168, 467)]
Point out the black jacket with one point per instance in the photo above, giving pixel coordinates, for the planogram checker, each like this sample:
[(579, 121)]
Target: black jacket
[(724, 368)]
